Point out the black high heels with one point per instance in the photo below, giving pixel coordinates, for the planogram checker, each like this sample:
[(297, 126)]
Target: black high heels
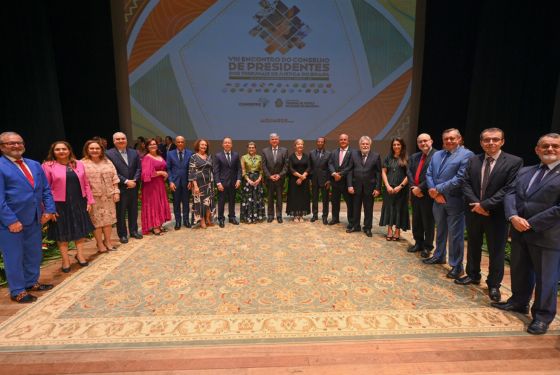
[(82, 264)]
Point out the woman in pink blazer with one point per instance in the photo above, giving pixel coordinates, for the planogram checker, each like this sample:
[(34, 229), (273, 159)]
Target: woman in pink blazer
[(73, 200)]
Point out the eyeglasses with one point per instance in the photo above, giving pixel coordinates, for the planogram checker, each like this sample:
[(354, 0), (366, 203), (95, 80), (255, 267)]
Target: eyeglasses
[(488, 140), (546, 146), (13, 143)]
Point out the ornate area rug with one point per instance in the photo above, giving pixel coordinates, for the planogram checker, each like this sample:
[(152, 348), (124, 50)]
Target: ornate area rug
[(252, 284)]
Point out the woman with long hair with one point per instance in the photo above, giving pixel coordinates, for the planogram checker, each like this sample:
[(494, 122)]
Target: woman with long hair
[(394, 212), (73, 199), (202, 178)]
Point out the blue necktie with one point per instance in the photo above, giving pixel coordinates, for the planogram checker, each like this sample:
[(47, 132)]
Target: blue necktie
[(538, 179), (445, 157)]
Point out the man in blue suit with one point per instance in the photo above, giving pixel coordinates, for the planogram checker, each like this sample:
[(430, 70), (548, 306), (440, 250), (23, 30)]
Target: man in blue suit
[(178, 169), (533, 208), (227, 175), (445, 179), (26, 203)]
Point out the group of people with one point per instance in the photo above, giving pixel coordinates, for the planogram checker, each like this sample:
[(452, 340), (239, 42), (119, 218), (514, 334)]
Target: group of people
[(451, 189)]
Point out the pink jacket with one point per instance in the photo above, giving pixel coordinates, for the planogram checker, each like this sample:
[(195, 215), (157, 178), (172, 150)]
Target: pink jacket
[(56, 176)]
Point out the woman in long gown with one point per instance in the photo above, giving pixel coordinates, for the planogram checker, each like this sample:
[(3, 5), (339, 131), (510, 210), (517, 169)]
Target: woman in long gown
[(155, 206), (201, 176), (252, 193), (394, 212), (299, 166)]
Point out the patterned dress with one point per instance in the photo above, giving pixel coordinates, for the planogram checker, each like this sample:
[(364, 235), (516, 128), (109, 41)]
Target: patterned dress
[(395, 206), (201, 171), (103, 180), (155, 206), (252, 197)]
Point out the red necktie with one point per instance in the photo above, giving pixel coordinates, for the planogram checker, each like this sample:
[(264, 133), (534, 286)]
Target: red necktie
[(26, 172), (419, 170)]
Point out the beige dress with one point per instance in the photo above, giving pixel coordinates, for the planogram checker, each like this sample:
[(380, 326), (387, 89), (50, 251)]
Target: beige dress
[(104, 181)]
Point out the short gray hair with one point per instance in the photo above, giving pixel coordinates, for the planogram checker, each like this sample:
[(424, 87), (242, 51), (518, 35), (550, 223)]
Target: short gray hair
[(273, 135), (549, 135), (365, 138), (117, 133), (7, 134)]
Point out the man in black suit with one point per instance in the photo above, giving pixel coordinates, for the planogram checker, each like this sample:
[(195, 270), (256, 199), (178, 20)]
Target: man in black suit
[(320, 179), (533, 209), (488, 178), (364, 183), (227, 175), (339, 167), (423, 223), (275, 167), (127, 164)]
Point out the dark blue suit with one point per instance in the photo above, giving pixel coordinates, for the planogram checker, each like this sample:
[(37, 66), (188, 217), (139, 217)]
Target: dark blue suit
[(19, 201), (535, 254), (179, 175), (227, 174), (445, 174)]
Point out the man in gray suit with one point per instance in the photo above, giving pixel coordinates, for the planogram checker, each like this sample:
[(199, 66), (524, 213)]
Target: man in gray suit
[(275, 167), (320, 179)]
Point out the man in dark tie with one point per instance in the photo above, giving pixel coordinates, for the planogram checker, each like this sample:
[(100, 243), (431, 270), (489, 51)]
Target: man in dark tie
[(26, 203), (127, 164), (423, 224), (227, 175), (320, 182), (533, 208), (178, 169), (445, 185), (275, 167), (488, 178), (364, 183), (339, 167)]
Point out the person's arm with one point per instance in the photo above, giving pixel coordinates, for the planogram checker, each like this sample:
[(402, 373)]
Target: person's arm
[(138, 171), (468, 192), (378, 176), (148, 170), (7, 216), (284, 170), (87, 187), (265, 165)]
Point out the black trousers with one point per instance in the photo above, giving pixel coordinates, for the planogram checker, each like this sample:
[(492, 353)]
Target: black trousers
[(127, 206), (315, 189), (181, 198), (339, 190), (274, 192), (423, 223), (495, 228), (365, 199), (227, 195)]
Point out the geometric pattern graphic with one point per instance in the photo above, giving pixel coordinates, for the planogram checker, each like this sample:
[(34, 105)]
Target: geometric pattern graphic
[(300, 282)]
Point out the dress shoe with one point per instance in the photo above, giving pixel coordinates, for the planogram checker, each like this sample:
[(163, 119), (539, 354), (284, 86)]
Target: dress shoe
[(187, 224), (350, 226), (123, 240), (414, 248), (269, 220), (39, 287), (313, 219), (221, 223), (425, 254), (280, 221), (325, 221), (494, 294), (455, 272), (136, 235), (351, 230), (24, 297), (510, 306), (433, 260), (333, 222), (368, 233), (466, 280), (177, 226), (537, 327), (233, 221)]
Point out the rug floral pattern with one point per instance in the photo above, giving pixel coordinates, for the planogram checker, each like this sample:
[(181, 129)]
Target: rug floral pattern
[(255, 283)]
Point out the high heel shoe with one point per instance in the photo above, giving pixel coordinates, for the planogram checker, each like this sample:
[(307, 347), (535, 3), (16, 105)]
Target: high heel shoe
[(99, 251), (111, 248), (82, 264), (157, 233), (66, 269)]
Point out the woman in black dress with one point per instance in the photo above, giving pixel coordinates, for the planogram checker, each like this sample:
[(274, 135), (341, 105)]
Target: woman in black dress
[(394, 212), (299, 166), (73, 198)]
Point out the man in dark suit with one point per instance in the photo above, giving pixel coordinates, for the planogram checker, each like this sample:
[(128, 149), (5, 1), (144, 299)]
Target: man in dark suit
[(533, 208), (178, 169), (167, 146), (275, 167), (364, 183), (423, 223), (445, 181), (26, 203), (127, 164), (320, 182), (339, 167), (488, 178), (227, 175)]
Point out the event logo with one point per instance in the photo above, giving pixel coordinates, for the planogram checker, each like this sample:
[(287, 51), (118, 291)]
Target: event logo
[(279, 27)]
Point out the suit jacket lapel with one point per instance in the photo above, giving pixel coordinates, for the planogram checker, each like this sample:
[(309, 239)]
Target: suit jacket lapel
[(554, 173), (19, 172)]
